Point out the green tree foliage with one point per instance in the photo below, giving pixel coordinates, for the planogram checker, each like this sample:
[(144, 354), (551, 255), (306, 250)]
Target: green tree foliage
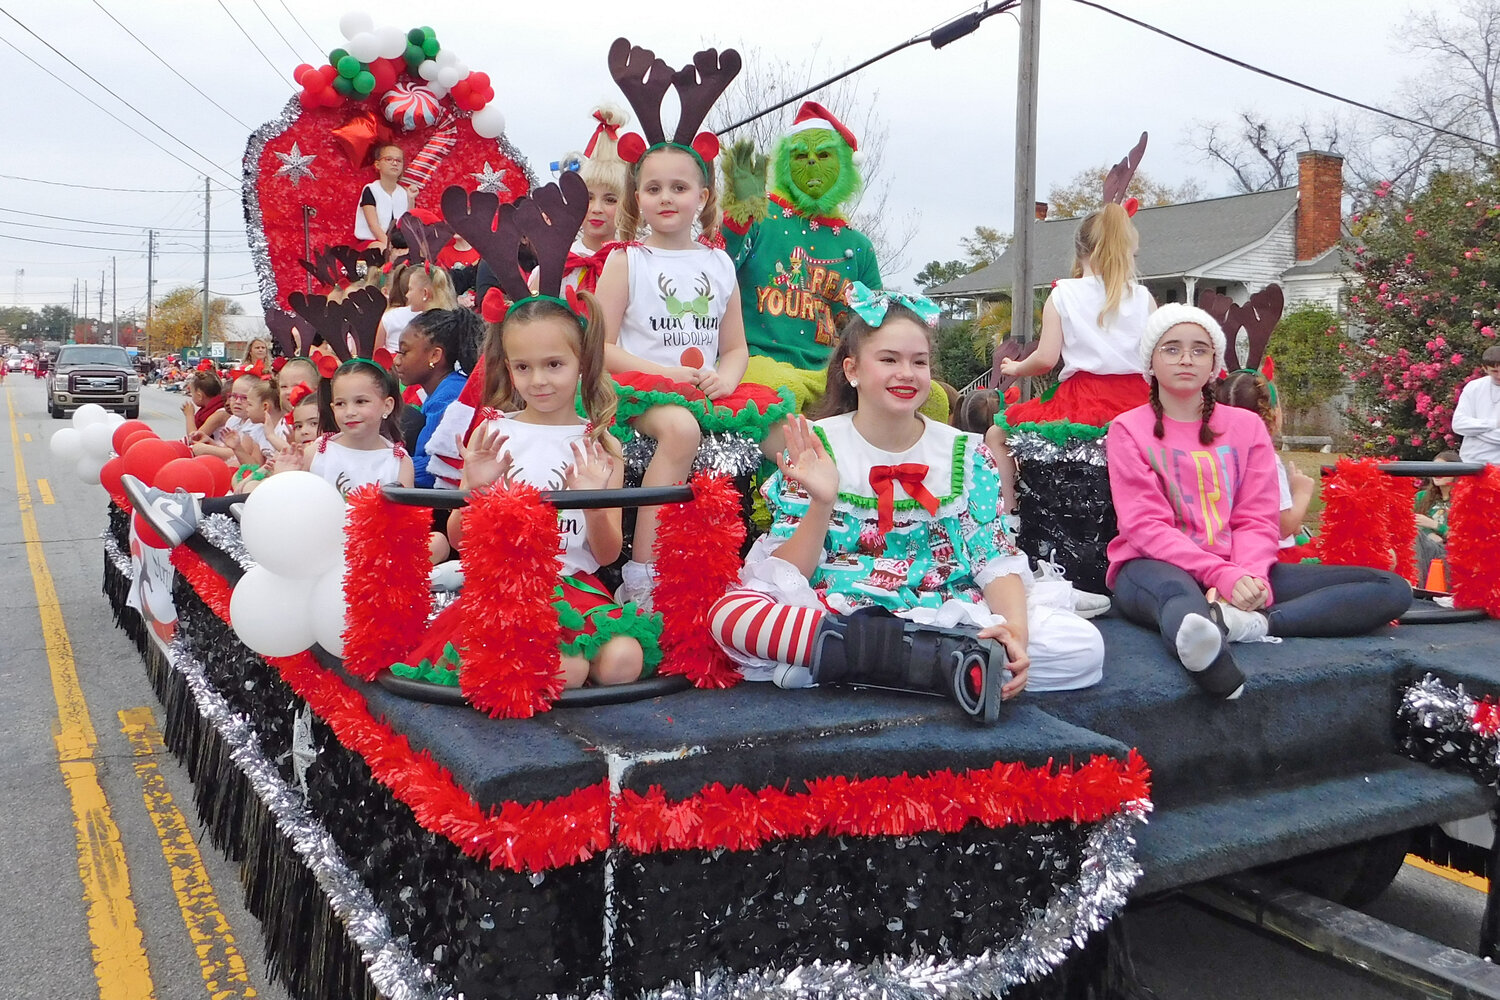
[(1305, 347), (1085, 192), (956, 360), (936, 272), (1425, 303), (177, 320), (984, 246)]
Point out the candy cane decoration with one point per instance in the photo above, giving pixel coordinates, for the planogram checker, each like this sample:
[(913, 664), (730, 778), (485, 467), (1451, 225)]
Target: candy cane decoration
[(420, 170)]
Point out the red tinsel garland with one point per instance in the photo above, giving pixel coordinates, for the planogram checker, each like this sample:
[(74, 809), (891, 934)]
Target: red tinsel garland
[(1399, 502), (697, 560), (1487, 717), (1473, 542), (511, 665), (901, 806), (1355, 530), (519, 836), (387, 582)]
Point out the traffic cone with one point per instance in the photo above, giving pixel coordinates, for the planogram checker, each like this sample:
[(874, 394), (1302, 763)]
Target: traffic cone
[(1437, 578)]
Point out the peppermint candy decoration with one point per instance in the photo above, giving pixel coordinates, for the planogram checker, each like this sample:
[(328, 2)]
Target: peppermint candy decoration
[(411, 106)]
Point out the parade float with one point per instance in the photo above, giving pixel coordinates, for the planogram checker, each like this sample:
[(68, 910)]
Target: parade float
[(700, 837)]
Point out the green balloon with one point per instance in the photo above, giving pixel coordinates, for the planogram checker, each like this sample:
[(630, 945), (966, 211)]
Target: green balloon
[(415, 36), (348, 67), (430, 48), (343, 86), (336, 55), (414, 56), (427, 31), (364, 82)]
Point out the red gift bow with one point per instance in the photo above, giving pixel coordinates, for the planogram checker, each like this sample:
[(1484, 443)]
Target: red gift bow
[(883, 480), (605, 128)]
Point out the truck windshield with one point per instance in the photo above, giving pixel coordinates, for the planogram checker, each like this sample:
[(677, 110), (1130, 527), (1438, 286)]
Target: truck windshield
[(94, 356)]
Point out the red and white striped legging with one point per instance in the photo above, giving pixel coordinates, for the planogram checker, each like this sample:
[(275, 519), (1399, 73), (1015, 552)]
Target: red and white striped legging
[(754, 624)]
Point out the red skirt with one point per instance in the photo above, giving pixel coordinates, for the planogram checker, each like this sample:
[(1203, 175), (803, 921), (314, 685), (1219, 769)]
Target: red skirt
[(750, 410), (1082, 398)]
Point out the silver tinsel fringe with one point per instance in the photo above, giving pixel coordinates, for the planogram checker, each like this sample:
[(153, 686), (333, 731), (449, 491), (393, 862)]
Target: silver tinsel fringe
[(223, 533), (1445, 710), (393, 968), (1029, 446), (726, 454)]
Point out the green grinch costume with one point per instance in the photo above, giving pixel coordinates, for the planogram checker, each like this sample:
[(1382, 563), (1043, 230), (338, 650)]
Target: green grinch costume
[(795, 253)]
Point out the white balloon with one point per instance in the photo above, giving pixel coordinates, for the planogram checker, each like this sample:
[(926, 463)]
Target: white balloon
[(355, 22), (448, 75), (88, 469), (116, 419), (293, 524), (364, 46), (392, 41), (96, 439), (327, 609), (463, 69), (446, 57), (438, 90), (489, 121), (89, 413), (67, 444), (271, 613), (427, 69)]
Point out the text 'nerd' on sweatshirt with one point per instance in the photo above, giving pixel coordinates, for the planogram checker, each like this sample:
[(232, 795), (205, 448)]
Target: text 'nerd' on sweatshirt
[(1208, 509)]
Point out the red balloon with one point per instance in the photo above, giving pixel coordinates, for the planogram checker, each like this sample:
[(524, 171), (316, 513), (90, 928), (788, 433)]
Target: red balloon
[(185, 474), (301, 71), (309, 100), (460, 90), (129, 427), (327, 74), (478, 81), (223, 475), (385, 75), (144, 532), (182, 448), (330, 98), (109, 476), (129, 439), (146, 457)]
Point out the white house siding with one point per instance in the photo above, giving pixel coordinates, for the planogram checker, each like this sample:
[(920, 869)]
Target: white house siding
[(1322, 289), (1261, 265)]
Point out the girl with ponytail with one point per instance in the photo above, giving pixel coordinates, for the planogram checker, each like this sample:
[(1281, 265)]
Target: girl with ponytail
[(1195, 494), (1093, 322)]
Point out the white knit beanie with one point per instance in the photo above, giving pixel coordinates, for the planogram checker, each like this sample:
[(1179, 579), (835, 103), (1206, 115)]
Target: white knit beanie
[(1168, 316)]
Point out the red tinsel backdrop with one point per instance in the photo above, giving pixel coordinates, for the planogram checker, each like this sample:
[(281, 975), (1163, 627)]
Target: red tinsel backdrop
[(512, 668), (697, 560), (1473, 542), (1357, 517), (331, 181), (387, 583)]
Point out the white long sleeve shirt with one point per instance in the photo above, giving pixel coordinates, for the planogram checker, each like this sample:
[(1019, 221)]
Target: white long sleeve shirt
[(1476, 419)]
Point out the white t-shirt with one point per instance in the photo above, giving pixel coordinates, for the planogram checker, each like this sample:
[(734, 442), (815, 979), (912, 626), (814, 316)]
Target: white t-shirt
[(1476, 418), (539, 454), (350, 468), (1107, 350), (1284, 494), (395, 321), (388, 208), (677, 298)]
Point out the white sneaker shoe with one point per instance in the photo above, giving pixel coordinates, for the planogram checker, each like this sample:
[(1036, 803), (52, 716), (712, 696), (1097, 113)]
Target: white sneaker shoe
[(637, 580), (1087, 605), (1243, 626)]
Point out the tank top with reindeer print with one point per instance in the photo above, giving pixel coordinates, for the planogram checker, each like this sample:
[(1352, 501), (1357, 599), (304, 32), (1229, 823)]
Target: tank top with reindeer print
[(677, 298), (539, 456), (351, 468)]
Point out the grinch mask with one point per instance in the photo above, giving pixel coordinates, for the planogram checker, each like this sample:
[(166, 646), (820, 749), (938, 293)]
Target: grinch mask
[(814, 170)]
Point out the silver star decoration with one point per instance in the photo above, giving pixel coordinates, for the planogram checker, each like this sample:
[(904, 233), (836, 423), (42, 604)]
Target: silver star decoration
[(491, 181), (294, 166)]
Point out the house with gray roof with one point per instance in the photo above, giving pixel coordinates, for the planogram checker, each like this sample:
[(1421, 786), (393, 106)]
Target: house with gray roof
[(1234, 245)]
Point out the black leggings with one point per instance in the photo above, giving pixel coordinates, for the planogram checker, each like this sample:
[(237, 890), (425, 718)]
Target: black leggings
[(1310, 600)]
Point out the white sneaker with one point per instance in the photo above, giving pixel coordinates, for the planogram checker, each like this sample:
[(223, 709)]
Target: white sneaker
[(447, 576), (637, 580), (1243, 626), (1087, 605)]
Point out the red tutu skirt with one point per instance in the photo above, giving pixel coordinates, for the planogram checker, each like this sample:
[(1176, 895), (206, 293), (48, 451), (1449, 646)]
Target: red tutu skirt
[(1083, 398), (750, 410)]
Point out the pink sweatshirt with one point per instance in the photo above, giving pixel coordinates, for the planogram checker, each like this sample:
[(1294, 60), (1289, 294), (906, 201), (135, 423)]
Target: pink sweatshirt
[(1208, 509)]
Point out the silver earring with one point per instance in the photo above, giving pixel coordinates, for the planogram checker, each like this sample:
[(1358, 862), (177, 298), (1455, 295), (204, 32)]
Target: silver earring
[(854, 383)]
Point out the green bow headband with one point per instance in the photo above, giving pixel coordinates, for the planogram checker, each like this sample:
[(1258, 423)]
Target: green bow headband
[(871, 304)]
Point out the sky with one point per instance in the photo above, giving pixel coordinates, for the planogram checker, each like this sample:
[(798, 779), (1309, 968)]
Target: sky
[(950, 113)]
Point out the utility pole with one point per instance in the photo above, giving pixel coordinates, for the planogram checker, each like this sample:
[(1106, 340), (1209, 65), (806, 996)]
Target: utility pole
[(114, 301), (150, 281), (1025, 173), (101, 301), (206, 207)]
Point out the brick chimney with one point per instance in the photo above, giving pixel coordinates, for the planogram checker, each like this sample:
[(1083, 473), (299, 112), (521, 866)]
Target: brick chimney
[(1320, 195), (1041, 211)]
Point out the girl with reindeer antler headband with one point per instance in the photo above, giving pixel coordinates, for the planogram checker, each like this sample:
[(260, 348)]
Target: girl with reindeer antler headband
[(1093, 322), (675, 335)]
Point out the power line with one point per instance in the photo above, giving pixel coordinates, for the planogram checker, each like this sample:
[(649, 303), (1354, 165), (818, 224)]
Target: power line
[(310, 38), (118, 225), (295, 54), (96, 187), (1286, 79), (87, 246), (169, 66), (111, 93), (274, 68)]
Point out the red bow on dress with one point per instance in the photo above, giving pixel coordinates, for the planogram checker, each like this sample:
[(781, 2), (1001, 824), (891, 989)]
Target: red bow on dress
[(883, 480), (592, 264)]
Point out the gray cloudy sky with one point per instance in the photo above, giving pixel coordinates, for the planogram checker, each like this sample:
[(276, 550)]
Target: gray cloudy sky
[(950, 112)]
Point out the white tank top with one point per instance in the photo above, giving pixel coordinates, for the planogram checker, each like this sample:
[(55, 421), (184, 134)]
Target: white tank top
[(539, 455), (349, 468), (677, 298), (1088, 347)]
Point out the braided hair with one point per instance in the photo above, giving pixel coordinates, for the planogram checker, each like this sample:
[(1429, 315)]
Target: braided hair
[(1206, 434), (457, 331)]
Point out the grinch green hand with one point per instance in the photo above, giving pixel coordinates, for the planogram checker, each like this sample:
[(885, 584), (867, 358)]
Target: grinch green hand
[(745, 177)]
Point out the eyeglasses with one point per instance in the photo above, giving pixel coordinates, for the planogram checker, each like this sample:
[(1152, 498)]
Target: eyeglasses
[(238, 395), (391, 159), (1172, 352)]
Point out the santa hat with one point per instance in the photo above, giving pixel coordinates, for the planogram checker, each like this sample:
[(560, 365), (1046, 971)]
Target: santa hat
[(1168, 316), (813, 115)]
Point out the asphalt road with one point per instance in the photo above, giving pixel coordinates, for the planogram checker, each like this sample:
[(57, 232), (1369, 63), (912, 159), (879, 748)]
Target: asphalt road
[(75, 822)]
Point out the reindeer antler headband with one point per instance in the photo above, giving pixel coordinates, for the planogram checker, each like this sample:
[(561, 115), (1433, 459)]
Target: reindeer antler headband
[(355, 320), (1117, 181), (644, 79), (547, 219), (1258, 318)]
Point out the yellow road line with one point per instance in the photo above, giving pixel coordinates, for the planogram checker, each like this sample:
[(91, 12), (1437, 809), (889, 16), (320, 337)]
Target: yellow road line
[(44, 491), (28, 438), (223, 968), (120, 964), (1478, 882)]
